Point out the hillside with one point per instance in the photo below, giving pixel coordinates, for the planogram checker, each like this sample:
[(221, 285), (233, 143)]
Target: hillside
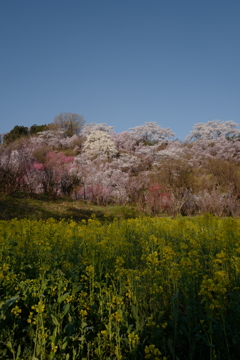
[(144, 168)]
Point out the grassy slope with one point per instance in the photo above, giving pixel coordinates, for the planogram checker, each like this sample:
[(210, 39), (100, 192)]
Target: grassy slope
[(37, 207)]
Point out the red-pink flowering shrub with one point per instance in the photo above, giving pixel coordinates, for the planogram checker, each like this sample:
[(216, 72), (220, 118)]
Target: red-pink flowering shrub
[(157, 199), (56, 159), (55, 175), (37, 166)]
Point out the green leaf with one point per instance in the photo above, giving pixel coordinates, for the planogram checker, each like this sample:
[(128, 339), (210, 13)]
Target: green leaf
[(9, 345), (9, 302), (66, 309), (18, 351), (77, 289), (55, 320), (65, 343), (63, 297)]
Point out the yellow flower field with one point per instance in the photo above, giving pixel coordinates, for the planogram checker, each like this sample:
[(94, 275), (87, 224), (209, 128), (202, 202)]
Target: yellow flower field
[(146, 288)]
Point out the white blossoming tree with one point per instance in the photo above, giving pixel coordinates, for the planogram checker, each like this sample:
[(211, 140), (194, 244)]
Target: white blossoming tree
[(90, 127), (212, 130), (99, 141), (152, 132), (49, 138)]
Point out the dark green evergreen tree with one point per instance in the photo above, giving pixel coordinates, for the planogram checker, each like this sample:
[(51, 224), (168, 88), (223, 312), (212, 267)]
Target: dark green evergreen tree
[(15, 133)]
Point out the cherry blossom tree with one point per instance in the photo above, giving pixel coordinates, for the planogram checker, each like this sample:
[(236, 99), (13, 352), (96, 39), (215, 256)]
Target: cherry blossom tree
[(200, 152), (125, 141), (216, 202), (56, 176), (91, 127), (68, 141), (99, 141), (212, 130), (152, 132), (49, 138), (172, 150), (14, 165)]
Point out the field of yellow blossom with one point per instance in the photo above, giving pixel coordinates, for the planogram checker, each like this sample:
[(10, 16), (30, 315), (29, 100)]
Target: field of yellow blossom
[(146, 288)]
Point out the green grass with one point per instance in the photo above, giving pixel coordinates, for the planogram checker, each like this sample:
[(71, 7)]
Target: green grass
[(36, 207)]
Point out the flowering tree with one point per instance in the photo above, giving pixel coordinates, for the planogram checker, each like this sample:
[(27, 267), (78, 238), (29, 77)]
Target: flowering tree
[(212, 130), (68, 141), (200, 152), (99, 141), (157, 199), (125, 141), (57, 175), (90, 127), (172, 150), (14, 165), (151, 132), (49, 138)]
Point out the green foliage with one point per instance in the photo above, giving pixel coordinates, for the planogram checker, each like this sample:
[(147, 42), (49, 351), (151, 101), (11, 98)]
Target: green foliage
[(15, 133), (34, 129)]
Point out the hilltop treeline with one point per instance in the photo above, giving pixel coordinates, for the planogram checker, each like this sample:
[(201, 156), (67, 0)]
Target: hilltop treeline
[(145, 166)]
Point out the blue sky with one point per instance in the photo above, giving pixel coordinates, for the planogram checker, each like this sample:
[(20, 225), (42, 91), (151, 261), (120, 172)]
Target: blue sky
[(120, 62)]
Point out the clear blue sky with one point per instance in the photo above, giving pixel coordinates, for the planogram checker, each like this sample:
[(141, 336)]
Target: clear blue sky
[(121, 62)]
